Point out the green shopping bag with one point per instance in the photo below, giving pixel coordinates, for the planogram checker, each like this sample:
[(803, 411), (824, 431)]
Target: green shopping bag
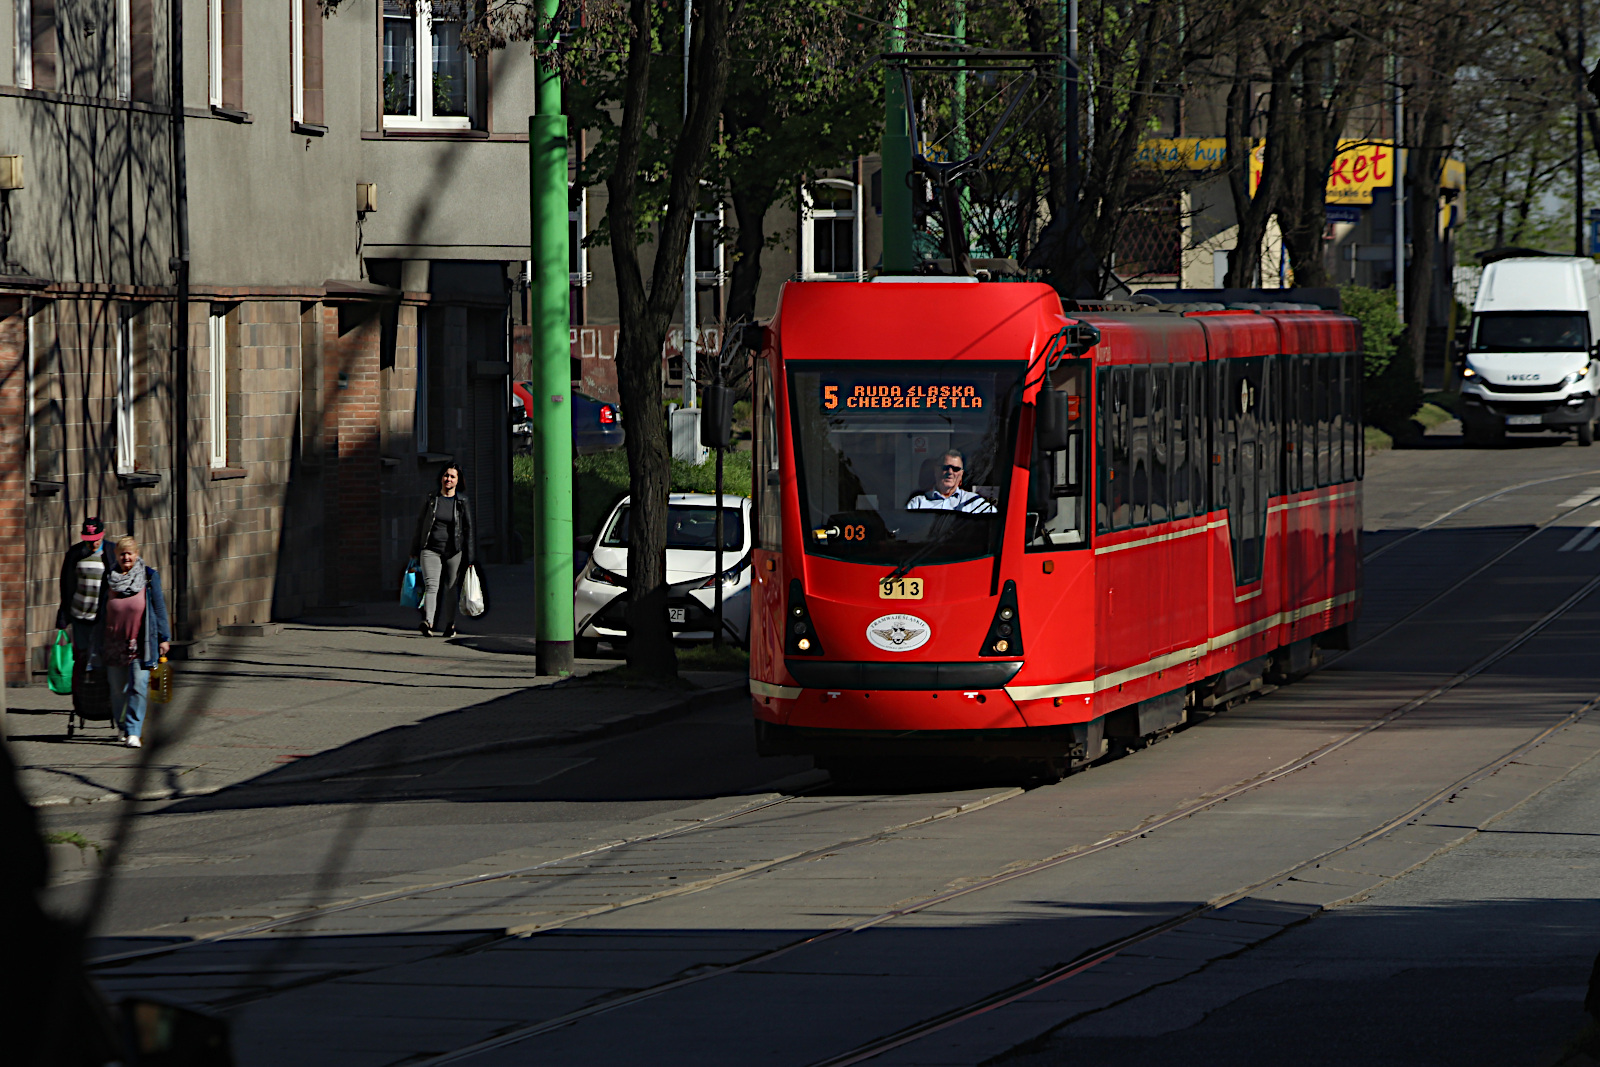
[(61, 664)]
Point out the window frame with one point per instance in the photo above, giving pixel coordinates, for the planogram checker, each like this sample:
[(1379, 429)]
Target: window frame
[(124, 46), (297, 61), (125, 446), (809, 214), (22, 44), (214, 51), (422, 58), (217, 401), (577, 254)]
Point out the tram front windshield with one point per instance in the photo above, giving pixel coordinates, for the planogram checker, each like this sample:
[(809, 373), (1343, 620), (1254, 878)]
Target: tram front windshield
[(903, 462)]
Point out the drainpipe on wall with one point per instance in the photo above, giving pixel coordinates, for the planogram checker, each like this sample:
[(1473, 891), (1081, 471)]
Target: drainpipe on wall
[(180, 341)]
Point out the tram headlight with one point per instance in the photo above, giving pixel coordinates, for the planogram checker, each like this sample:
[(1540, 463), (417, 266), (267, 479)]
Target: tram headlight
[(801, 637), (1005, 636)]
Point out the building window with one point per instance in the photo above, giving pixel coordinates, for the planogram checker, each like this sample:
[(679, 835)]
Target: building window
[(22, 44), (227, 54), (217, 401), (124, 59), (577, 255), (125, 433), (429, 78), (305, 61), (830, 229)]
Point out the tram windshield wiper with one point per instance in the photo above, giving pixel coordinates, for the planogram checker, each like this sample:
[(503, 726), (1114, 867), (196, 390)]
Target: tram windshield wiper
[(928, 547)]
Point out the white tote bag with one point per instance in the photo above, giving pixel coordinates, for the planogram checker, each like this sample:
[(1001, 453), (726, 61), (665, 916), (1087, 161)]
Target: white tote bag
[(471, 593)]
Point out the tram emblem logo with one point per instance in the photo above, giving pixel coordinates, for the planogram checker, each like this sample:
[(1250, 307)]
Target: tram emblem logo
[(898, 633)]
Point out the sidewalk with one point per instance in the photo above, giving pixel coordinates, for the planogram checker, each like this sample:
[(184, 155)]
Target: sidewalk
[(319, 696)]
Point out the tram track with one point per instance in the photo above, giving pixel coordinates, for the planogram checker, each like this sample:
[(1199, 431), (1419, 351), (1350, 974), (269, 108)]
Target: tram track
[(357, 903), (1077, 853)]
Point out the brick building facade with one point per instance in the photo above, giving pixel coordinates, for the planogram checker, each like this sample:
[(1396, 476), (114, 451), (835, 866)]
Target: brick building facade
[(338, 350)]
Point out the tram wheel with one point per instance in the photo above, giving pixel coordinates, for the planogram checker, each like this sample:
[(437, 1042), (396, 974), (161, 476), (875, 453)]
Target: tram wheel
[(1586, 434)]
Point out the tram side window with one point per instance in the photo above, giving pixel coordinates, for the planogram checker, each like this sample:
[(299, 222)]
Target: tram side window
[(1324, 418), (1288, 381), (1119, 437), (1102, 450), (1160, 441), (1057, 485), (1336, 458), (1180, 414), (1352, 418), (1139, 489), (1199, 440), (769, 479)]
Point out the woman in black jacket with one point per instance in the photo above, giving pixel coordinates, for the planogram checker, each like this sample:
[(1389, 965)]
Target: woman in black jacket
[(445, 545)]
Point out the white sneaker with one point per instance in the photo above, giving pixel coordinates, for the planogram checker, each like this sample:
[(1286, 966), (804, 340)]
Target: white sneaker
[(133, 741)]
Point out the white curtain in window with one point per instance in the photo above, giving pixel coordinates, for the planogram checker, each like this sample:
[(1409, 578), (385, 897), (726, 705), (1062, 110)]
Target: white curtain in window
[(125, 399)]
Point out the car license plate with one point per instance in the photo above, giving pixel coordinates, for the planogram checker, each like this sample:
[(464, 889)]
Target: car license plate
[(1522, 420), (677, 614), (901, 589)]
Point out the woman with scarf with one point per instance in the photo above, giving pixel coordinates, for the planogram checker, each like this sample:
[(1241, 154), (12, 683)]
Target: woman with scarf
[(133, 636)]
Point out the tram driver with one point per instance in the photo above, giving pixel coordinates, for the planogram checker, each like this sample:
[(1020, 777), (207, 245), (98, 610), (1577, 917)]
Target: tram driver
[(947, 494)]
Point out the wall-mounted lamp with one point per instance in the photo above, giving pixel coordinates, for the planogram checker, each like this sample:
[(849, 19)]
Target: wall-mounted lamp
[(10, 172), (366, 197)]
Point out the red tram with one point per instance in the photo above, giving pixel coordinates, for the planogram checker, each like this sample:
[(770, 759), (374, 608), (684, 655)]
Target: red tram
[(985, 528)]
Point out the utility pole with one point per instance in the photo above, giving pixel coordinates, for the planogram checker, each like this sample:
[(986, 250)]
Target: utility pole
[(1071, 150), (691, 303), (898, 256), (549, 298), (1399, 169), (1578, 241)]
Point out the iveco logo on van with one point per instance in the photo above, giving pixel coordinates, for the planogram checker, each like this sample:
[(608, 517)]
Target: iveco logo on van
[(1522, 377)]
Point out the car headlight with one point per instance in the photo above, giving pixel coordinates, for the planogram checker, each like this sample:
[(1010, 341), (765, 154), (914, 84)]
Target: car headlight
[(1577, 376), (729, 576), (599, 574), (1468, 372)]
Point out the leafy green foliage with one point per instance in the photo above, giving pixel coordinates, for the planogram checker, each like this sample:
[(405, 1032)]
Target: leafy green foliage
[(1380, 324), (1391, 393)]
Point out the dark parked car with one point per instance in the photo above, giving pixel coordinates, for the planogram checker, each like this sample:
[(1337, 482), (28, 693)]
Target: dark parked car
[(596, 424)]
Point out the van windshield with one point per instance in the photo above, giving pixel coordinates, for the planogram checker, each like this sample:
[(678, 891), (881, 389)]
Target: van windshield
[(1530, 331)]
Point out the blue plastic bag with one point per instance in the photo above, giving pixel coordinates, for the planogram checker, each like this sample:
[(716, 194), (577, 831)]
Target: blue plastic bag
[(411, 588)]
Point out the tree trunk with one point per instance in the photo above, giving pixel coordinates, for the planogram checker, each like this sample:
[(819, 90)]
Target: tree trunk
[(645, 314), (750, 204), (1425, 162)]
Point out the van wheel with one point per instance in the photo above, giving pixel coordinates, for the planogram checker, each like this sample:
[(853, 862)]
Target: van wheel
[(585, 647), (1586, 434)]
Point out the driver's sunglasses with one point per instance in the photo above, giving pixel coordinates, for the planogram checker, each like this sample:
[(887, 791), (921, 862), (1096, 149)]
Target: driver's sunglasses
[(948, 467)]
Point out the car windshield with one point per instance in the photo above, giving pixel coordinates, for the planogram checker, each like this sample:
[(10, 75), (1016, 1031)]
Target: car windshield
[(688, 526), (1530, 331), (903, 462)]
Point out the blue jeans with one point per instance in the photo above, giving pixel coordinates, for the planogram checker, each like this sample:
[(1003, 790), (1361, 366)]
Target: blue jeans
[(130, 688)]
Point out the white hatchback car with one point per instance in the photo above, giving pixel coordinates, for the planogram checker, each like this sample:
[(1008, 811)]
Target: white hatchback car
[(600, 606)]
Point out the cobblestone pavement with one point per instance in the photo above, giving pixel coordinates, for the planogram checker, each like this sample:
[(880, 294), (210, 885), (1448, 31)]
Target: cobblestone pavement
[(325, 695)]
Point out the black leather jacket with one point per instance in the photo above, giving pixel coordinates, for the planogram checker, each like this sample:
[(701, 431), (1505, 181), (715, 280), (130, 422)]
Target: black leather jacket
[(465, 538)]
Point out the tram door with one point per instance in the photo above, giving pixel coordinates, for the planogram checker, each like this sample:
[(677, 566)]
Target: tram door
[(1244, 405)]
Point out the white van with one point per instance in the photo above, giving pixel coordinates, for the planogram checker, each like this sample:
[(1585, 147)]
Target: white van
[(1532, 359)]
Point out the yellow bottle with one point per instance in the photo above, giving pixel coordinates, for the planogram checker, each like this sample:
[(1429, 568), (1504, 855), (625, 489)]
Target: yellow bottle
[(161, 682)]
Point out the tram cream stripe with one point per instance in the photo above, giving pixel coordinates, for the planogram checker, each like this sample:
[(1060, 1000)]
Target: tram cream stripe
[(1178, 658), (767, 689), (1191, 531), (1328, 499)]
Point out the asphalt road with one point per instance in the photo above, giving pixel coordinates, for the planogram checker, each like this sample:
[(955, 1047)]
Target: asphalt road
[(1385, 863)]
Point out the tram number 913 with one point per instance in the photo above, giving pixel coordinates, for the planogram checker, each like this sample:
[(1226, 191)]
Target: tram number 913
[(900, 589)]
